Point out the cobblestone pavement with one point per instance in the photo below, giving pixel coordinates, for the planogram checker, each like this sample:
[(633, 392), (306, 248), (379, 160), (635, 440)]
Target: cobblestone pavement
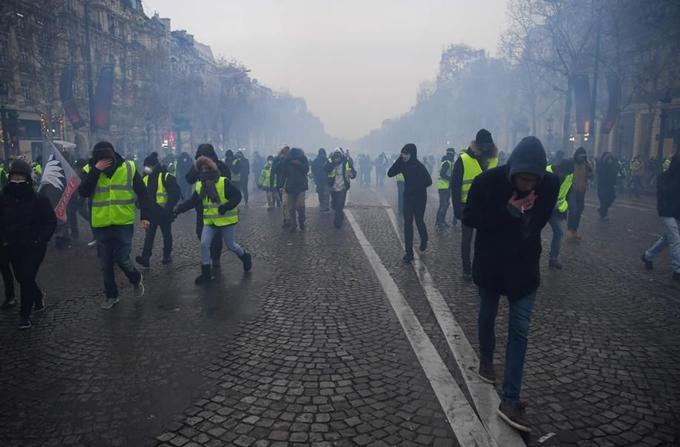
[(306, 350)]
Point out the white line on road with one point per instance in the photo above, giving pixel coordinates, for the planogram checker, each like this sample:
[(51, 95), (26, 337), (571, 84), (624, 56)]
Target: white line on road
[(468, 429), (484, 395)]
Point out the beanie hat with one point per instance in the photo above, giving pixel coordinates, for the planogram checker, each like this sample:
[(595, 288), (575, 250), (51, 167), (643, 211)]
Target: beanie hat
[(103, 149), (151, 160), (483, 137), (20, 167)]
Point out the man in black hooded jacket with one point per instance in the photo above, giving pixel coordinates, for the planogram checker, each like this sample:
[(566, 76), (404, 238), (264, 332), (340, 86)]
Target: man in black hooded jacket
[(509, 206), (416, 182)]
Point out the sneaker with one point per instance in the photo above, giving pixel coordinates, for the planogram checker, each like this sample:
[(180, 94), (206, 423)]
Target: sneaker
[(92, 243), (423, 245), (513, 414), (408, 257), (555, 264), (25, 323), (649, 265), (138, 289), (144, 262), (487, 372), (8, 304), (109, 303)]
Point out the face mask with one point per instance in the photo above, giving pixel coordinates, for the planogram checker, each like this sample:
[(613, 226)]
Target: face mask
[(406, 157), (17, 181), (148, 169)]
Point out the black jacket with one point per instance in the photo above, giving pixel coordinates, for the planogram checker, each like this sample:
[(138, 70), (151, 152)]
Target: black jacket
[(294, 170), (89, 184), (157, 213), (508, 245), (319, 168), (26, 219), (416, 177), (230, 191), (668, 190)]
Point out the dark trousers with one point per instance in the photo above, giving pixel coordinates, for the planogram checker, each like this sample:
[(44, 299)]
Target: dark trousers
[(114, 245), (338, 199), (26, 262), (444, 202), (414, 209), (400, 198), (7, 276), (243, 186), (466, 248), (607, 195), (577, 202), (150, 236), (215, 245)]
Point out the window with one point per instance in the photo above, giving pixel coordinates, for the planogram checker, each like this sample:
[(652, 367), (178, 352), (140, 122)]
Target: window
[(26, 91)]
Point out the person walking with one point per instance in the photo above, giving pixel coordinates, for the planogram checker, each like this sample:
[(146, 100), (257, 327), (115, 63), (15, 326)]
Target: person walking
[(564, 171), (279, 183), (444, 187), (192, 177), (219, 200), (321, 180), (296, 168), (508, 207), (416, 182), (244, 171), (482, 154), (381, 169), (637, 172), (27, 223), (583, 172), (162, 195), (265, 181), (113, 182), (607, 174), (668, 208), (340, 171)]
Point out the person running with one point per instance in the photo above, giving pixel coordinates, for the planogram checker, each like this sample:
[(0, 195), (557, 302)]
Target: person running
[(607, 174), (564, 171), (321, 180), (113, 182), (416, 182), (207, 150), (295, 170), (480, 156), (162, 194), (27, 223), (509, 206), (668, 208), (218, 199), (340, 171), (265, 181), (444, 187)]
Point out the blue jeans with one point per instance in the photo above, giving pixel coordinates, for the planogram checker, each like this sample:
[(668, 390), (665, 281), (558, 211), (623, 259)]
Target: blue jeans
[(671, 238), (226, 233), (114, 245), (557, 225), (518, 332)]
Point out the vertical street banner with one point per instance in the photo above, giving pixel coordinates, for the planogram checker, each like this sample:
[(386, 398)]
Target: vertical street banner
[(67, 97), (59, 181), (582, 103), (103, 98)]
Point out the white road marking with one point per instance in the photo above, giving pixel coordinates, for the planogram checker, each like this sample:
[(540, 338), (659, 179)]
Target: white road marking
[(467, 427), (484, 395)]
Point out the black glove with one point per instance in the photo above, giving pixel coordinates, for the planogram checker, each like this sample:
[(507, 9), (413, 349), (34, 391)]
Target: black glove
[(223, 209)]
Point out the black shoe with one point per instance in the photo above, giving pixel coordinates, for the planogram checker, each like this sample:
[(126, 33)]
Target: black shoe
[(166, 260), (205, 277), (423, 245), (467, 276), (555, 264), (408, 257), (247, 260), (513, 414), (648, 264), (24, 323), (144, 262), (8, 304), (487, 372)]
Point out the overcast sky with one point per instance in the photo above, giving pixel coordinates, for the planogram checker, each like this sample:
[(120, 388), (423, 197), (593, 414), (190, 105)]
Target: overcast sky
[(356, 62)]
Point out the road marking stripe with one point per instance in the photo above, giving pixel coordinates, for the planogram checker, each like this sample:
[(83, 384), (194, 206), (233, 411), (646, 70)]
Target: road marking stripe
[(484, 395), (468, 429)]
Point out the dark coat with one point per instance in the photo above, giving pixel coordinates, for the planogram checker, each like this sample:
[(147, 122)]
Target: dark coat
[(507, 244), (162, 214), (295, 169), (416, 177), (668, 190), (26, 219)]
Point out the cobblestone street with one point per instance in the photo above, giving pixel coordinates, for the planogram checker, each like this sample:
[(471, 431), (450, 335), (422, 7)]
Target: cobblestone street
[(308, 350)]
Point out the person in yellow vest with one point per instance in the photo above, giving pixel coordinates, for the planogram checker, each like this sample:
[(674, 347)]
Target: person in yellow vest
[(444, 187), (565, 174), (112, 183), (340, 171), (162, 194), (480, 156), (265, 182), (219, 200)]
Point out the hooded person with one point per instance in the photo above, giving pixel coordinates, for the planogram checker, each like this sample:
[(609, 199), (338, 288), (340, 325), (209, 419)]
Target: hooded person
[(321, 180), (416, 182), (27, 223), (481, 155), (508, 206), (339, 171), (295, 170), (219, 200), (244, 173), (607, 174), (113, 183), (444, 187), (162, 194), (668, 208), (207, 150), (583, 172)]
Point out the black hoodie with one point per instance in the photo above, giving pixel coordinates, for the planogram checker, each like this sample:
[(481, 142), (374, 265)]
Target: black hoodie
[(508, 244), (416, 177), (206, 150), (668, 190)]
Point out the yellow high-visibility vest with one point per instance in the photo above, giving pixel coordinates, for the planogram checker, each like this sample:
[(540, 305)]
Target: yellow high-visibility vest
[(211, 213), (562, 204), (113, 200), (161, 193), (471, 169), (443, 183)]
